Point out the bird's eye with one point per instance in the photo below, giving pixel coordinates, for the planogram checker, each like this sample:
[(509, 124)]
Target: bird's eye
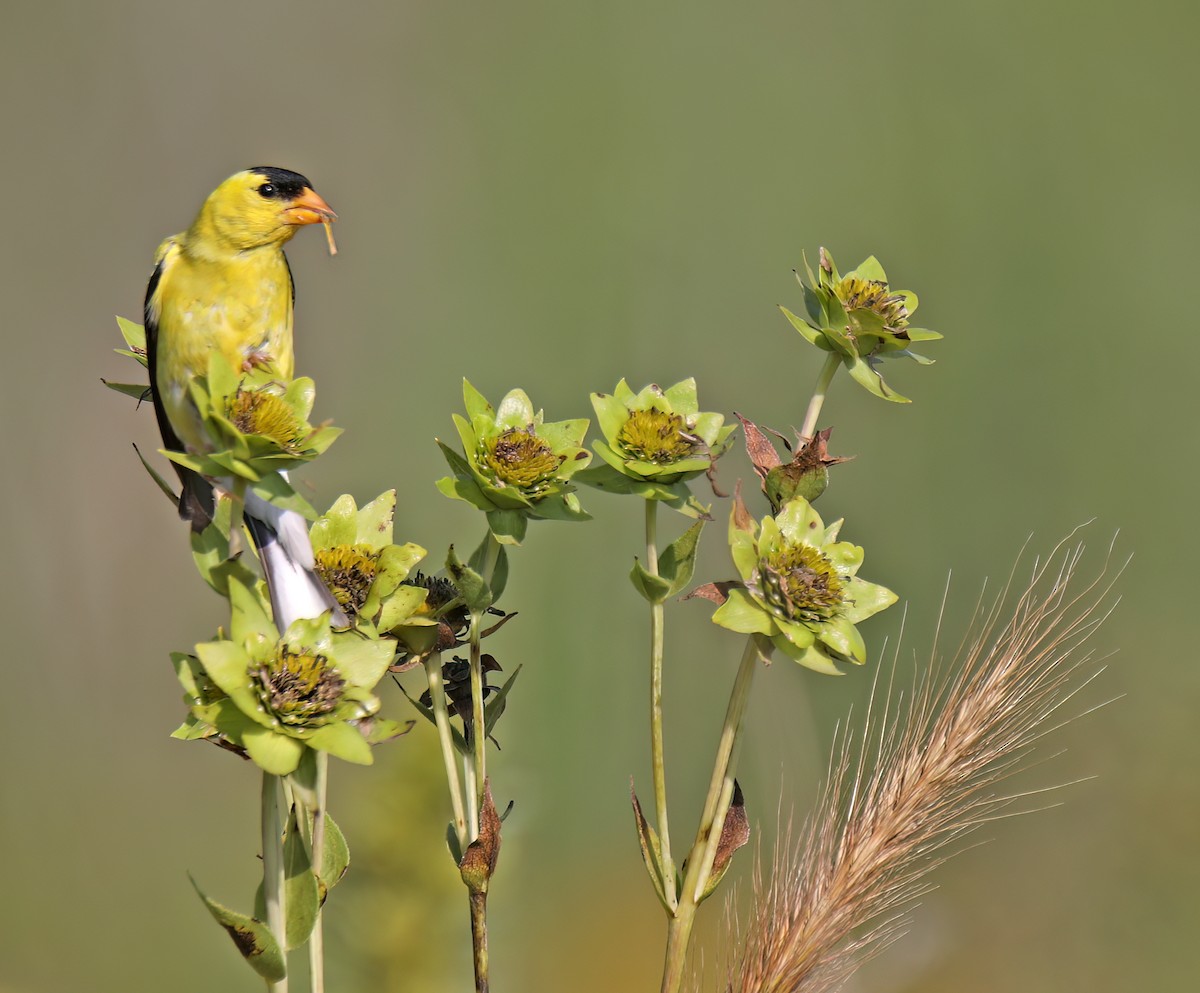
[(267, 190)]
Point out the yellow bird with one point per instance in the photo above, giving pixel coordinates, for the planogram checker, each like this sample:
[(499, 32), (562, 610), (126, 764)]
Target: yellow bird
[(224, 284)]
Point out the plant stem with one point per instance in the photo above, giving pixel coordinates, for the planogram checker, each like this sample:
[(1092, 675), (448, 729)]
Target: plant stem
[(478, 733), (469, 791), (441, 718), (657, 761), (479, 949), (712, 821), (273, 870), (316, 941), (477, 773), (818, 397)]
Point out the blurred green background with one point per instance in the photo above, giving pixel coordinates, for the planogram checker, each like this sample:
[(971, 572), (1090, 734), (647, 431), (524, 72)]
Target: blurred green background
[(555, 195)]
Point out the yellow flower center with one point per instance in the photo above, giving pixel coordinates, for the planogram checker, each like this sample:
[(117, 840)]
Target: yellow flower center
[(801, 583), (657, 437), (875, 296), (348, 571), (520, 458), (299, 688), (263, 413)]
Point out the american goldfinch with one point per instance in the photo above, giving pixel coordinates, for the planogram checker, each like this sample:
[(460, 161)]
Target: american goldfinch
[(224, 284)]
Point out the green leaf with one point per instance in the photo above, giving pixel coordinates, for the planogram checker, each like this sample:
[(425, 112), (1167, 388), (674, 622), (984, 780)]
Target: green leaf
[(252, 938), (300, 886), (499, 571), (559, 507), (382, 729), (476, 403), (662, 880), (134, 335), (460, 742), (812, 336), (678, 562), (158, 480), (139, 391), (362, 661), (515, 411), (494, 707), (811, 657), (343, 740), (862, 373), (374, 521), (304, 779), (682, 397), (508, 525), (274, 753), (740, 613), (611, 414), (864, 599), (475, 593), (466, 490), (335, 859), (248, 616), (844, 638), (604, 476), (653, 589), (338, 525), (400, 606), (870, 269), (275, 489)]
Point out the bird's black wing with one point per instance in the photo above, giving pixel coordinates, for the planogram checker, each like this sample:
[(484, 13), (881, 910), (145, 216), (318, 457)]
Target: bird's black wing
[(196, 503)]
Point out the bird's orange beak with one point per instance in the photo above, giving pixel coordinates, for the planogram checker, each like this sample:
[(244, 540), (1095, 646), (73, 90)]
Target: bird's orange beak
[(309, 208)]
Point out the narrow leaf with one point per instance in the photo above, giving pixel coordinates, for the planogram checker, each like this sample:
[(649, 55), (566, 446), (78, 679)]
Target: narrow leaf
[(496, 702), (678, 562), (300, 886), (252, 937), (335, 859), (654, 589), (652, 854)]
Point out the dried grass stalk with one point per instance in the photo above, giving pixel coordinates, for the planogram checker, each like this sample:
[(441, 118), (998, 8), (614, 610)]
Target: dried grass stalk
[(922, 776)]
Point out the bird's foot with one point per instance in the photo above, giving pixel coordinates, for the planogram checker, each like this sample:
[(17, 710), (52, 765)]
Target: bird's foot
[(256, 358)]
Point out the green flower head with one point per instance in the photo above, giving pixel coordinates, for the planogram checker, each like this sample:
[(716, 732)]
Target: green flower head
[(799, 587), (515, 465), (655, 441), (272, 697), (861, 318), (363, 569), (256, 427)]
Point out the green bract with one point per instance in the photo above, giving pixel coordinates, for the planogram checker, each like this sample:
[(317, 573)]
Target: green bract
[(799, 587), (515, 465), (655, 441), (257, 427), (274, 696), (860, 318), (364, 571)]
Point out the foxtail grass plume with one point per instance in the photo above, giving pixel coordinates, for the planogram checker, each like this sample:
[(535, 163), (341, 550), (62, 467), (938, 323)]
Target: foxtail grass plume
[(923, 776)]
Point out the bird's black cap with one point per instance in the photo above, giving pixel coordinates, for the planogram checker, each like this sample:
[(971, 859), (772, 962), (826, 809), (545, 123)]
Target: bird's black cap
[(286, 184)]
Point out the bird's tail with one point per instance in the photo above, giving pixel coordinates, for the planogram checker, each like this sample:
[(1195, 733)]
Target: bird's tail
[(284, 548)]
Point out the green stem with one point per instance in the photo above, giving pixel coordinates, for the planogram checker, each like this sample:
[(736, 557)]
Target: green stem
[(273, 870), (479, 948), (441, 718), (478, 733), (712, 821), (818, 397), (657, 761), (316, 941), (470, 792)]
